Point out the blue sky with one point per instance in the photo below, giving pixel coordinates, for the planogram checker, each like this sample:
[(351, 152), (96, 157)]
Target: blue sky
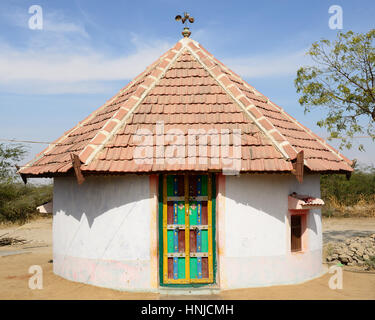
[(51, 79)]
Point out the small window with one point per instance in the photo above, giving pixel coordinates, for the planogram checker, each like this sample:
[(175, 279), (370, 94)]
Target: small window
[(296, 233)]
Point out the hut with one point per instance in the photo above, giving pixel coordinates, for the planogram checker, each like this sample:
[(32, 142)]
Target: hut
[(187, 178), (46, 208)]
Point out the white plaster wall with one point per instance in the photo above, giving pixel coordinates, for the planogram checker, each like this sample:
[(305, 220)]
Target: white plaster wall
[(256, 249), (101, 231)]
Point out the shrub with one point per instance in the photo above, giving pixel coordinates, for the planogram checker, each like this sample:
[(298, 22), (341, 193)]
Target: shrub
[(18, 202), (353, 197), (371, 262)]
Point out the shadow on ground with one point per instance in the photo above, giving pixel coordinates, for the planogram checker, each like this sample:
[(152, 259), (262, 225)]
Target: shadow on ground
[(342, 235)]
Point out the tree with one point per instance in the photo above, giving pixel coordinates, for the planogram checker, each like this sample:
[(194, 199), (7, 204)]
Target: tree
[(8, 156), (18, 202), (342, 80)]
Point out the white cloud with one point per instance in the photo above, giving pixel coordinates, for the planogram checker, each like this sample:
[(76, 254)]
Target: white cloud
[(64, 27), (85, 70), (62, 58), (53, 21), (87, 66), (268, 65)]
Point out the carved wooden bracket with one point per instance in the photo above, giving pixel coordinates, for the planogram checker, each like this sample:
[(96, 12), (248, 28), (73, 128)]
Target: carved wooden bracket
[(77, 168), (23, 177), (349, 174), (298, 167)]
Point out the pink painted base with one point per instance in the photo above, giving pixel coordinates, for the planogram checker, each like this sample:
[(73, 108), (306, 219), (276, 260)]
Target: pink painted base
[(272, 270), (120, 275)]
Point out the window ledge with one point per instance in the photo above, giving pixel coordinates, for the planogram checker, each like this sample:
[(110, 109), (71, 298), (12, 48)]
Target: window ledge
[(298, 252), (303, 202)]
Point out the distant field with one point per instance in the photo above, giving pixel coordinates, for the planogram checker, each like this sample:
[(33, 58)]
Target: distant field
[(354, 197), (364, 207)]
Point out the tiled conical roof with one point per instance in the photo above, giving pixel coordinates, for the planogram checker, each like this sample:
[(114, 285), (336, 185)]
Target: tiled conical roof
[(187, 88)]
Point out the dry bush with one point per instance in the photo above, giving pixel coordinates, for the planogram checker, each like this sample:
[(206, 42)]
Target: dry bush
[(364, 207)]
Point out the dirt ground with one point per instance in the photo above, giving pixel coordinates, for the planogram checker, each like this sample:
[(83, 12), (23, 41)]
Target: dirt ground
[(338, 229), (15, 261)]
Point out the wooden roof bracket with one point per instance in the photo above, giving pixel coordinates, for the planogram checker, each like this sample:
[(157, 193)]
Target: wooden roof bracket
[(23, 177), (349, 174), (77, 168), (298, 166)]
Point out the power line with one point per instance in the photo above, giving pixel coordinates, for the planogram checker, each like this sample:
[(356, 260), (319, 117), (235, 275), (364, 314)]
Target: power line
[(25, 141), (49, 143)]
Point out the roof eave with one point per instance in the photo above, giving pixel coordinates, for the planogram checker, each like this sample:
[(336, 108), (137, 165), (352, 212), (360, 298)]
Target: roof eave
[(92, 172)]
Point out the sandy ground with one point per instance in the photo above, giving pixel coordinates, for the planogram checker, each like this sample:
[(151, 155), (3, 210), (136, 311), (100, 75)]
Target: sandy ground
[(14, 274), (338, 229)]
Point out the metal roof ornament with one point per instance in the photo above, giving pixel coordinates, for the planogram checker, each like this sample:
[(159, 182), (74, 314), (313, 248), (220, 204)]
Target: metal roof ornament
[(186, 18)]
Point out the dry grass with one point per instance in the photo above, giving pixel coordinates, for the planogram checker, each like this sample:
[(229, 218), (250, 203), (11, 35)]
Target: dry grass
[(365, 207)]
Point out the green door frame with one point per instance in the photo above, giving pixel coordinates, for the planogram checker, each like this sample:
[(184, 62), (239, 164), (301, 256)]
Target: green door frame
[(160, 250)]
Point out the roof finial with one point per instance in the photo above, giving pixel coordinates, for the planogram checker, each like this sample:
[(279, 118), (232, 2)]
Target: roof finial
[(186, 32)]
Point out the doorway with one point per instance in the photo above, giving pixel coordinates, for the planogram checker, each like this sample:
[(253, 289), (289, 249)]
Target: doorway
[(187, 226)]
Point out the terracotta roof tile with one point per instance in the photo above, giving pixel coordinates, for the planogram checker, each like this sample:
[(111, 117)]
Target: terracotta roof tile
[(187, 89)]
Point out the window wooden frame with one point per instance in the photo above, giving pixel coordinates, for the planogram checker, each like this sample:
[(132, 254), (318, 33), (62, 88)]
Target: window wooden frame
[(302, 215)]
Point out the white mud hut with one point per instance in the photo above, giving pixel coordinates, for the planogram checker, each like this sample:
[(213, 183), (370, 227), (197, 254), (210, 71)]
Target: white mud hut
[(188, 177)]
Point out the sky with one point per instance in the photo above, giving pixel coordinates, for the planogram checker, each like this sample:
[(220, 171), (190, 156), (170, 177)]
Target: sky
[(86, 51)]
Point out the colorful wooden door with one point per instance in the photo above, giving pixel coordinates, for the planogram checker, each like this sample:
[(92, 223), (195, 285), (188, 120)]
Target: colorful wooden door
[(187, 229)]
